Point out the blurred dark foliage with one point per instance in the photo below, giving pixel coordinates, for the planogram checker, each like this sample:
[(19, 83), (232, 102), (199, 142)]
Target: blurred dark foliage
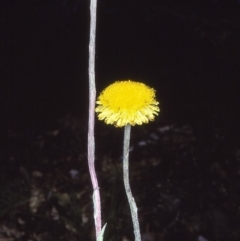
[(181, 189), (184, 168)]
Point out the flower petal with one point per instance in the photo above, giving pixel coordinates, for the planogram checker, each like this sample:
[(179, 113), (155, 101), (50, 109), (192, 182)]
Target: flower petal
[(127, 102)]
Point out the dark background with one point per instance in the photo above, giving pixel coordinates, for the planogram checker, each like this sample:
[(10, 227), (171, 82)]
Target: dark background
[(188, 51), (186, 178)]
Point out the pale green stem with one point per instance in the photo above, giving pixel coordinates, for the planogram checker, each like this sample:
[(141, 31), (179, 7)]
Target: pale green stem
[(132, 204), (91, 141)]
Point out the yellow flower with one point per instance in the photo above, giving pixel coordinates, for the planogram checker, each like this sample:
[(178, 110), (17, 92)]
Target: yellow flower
[(127, 102)]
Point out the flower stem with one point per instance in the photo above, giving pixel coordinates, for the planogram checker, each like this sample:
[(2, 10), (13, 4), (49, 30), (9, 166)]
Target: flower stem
[(91, 140), (132, 204)]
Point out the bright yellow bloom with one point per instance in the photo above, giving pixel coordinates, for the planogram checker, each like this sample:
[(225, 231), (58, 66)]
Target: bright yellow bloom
[(127, 102)]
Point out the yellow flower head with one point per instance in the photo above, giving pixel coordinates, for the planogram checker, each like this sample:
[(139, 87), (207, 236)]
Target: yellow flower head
[(127, 102)]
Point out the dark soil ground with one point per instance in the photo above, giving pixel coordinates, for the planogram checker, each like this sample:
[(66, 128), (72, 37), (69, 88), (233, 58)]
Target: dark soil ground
[(184, 190)]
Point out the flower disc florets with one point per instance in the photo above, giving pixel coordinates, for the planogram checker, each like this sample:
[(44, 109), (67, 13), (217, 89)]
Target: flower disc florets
[(127, 102)]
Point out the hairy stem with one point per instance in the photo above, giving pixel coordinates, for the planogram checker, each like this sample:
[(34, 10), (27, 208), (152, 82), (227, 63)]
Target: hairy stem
[(91, 141), (132, 204)]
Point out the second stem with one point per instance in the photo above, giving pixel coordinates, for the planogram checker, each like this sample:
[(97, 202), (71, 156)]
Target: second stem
[(131, 201)]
